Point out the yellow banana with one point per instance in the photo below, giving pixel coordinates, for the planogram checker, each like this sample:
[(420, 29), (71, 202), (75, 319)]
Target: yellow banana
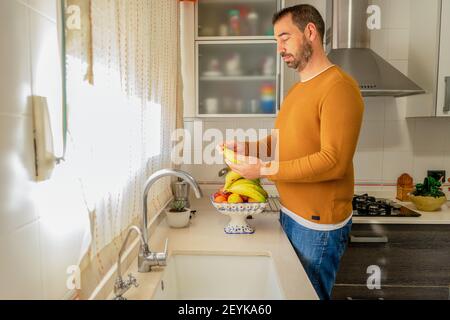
[(247, 190), (253, 184), (230, 178), (230, 155)]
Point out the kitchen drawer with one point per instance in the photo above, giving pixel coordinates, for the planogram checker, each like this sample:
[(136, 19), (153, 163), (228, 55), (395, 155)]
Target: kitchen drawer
[(409, 255), (357, 292)]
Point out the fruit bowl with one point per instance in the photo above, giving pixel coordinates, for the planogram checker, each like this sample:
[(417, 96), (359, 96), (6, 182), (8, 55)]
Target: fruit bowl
[(238, 213), (428, 204)]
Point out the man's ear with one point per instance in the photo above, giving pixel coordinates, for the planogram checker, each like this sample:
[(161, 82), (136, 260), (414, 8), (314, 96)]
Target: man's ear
[(311, 31)]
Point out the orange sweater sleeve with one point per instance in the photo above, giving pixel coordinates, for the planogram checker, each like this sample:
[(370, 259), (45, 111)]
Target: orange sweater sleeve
[(340, 123)]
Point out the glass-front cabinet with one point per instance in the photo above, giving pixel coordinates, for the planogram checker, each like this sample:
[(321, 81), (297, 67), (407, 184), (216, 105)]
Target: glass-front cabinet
[(237, 68), (234, 18), (237, 78)]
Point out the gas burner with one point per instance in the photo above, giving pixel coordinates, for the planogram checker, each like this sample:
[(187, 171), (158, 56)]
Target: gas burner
[(368, 206)]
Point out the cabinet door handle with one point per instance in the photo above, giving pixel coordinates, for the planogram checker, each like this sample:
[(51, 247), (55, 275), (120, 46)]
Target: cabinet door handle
[(382, 239), (447, 95)]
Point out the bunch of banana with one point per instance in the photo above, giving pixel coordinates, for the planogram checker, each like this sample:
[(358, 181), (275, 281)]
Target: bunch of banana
[(250, 188), (230, 178)]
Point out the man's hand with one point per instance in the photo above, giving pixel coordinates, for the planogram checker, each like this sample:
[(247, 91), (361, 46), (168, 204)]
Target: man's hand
[(236, 146), (249, 168)]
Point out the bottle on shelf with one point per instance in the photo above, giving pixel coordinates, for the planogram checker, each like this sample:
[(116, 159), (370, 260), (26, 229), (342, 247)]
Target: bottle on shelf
[(253, 23), (235, 22), (268, 98)]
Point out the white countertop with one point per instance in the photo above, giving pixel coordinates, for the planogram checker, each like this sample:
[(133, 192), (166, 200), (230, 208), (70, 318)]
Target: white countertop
[(206, 234)]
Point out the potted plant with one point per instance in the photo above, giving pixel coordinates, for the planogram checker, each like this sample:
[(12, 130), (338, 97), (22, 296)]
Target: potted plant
[(428, 196), (178, 215)]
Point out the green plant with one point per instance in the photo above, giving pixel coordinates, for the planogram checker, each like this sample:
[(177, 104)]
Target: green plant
[(178, 206), (429, 188)]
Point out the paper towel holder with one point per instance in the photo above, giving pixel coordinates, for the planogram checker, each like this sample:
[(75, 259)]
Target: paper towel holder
[(45, 159)]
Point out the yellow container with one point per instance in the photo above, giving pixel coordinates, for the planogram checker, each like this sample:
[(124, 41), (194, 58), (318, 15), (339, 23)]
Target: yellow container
[(427, 203)]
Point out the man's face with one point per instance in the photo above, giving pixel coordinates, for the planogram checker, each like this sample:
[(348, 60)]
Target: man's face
[(292, 44)]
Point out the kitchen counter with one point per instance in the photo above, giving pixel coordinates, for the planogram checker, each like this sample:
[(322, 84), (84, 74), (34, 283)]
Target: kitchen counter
[(205, 234), (441, 216)]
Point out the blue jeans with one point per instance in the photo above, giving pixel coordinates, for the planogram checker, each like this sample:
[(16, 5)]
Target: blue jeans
[(320, 252)]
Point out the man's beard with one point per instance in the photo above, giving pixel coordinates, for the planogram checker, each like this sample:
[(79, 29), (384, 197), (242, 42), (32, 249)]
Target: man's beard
[(306, 52)]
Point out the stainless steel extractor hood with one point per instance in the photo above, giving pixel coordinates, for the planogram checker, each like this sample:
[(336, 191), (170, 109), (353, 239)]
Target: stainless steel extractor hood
[(349, 40)]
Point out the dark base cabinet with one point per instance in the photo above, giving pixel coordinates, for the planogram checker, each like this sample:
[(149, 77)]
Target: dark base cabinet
[(397, 261)]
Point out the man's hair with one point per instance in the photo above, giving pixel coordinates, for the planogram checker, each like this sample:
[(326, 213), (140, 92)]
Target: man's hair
[(302, 14)]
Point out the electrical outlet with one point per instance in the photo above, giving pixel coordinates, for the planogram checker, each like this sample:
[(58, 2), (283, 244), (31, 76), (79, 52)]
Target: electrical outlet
[(437, 174)]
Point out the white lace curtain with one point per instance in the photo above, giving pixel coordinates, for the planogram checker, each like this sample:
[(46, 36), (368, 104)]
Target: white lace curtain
[(121, 124)]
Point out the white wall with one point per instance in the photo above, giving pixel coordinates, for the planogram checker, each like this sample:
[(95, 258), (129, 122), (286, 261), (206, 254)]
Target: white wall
[(389, 143), (41, 224)]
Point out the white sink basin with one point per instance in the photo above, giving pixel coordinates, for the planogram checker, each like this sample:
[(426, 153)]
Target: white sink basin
[(218, 276)]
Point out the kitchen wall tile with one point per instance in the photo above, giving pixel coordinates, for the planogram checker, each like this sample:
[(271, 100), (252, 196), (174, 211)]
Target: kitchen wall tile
[(395, 109), (401, 65), (427, 160), (46, 71), (15, 80), (398, 40), (16, 172), (371, 136), (374, 109), (396, 163), (398, 135), (398, 13), (45, 7), (20, 272), (60, 237), (379, 41), (429, 134), (445, 133), (447, 164), (368, 165)]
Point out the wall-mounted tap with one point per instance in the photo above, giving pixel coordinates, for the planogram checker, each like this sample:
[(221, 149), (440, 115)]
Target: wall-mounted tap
[(121, 286)]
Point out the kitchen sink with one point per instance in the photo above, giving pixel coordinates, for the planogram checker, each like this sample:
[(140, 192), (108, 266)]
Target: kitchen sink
[(219, 276)]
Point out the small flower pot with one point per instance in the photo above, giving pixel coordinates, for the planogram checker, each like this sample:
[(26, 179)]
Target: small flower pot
[(178, 219)]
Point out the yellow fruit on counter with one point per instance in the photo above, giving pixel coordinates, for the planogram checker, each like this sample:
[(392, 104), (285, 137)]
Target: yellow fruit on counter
[(231, 178), (248, 190), (253, 184), (235, 198)]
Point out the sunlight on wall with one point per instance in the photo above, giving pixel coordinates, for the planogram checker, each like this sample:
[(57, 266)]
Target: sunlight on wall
[(48, 84)]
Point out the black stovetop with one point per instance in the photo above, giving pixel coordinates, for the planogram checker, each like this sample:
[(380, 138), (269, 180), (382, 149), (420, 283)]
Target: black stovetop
[(367, 206)]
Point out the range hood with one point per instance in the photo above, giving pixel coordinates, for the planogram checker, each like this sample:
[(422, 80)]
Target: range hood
[(348, 43)]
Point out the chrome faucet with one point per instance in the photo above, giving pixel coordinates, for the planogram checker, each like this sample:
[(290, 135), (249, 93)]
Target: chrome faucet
[(121, 286), (146, 258)]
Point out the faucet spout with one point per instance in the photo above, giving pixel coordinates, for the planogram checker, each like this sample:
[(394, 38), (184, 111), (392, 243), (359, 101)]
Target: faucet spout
[(148, 184)]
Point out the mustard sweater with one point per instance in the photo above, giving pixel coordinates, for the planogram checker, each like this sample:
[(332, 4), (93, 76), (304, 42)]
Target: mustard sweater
[(318, 129)]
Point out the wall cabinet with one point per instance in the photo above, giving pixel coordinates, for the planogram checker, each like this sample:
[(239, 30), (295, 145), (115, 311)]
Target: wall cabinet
[(414, 261), (429, 58), (230, 65)]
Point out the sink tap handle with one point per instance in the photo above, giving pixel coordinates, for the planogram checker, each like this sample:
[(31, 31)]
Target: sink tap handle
[(132, 281), (166, 246), (161, 258)]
